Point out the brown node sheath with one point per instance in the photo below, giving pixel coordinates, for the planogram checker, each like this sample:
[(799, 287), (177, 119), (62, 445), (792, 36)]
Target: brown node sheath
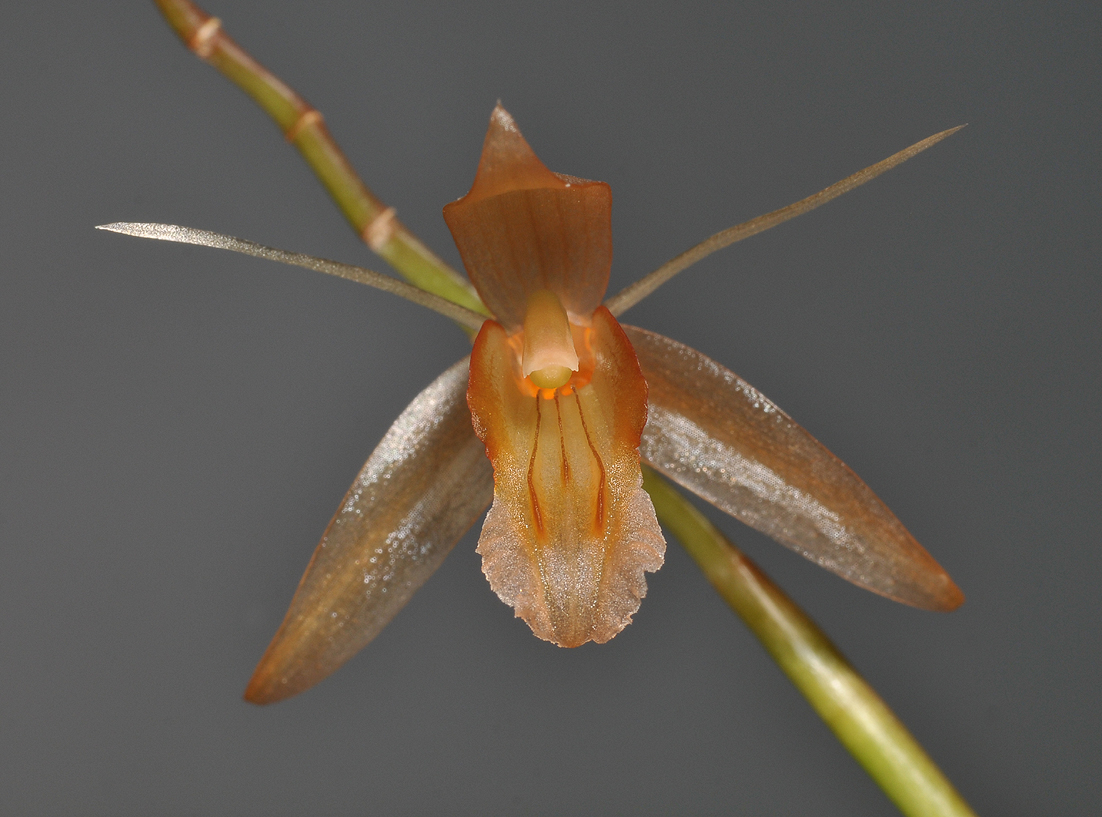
[(309, 118), (202, 42)]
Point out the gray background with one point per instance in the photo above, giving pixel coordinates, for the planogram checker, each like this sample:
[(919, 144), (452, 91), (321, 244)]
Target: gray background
[(177, 425)]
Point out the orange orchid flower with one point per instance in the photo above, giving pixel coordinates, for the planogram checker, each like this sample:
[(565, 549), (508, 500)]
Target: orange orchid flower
[(548, 419), (556, 395)]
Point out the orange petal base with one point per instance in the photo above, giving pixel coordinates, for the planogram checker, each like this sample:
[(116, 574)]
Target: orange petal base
[(571, 530)]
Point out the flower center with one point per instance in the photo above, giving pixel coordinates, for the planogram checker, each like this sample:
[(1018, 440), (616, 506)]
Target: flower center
[(549, 357)]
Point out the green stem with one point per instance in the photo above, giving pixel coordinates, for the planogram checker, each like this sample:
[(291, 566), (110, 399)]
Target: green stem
[(851, 708), (304, 128)]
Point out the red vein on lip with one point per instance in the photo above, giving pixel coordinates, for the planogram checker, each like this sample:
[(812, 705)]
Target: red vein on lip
[(536, 513), (599, 521), (562, 442)]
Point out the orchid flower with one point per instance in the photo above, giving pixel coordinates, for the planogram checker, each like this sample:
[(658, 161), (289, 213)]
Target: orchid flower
[(560, 418), (548, 419)]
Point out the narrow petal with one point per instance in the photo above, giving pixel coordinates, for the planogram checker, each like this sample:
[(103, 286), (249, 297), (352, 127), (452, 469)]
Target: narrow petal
[(422, 488), (571, 531), (626, 298), (205, 238), (716, 435), (522, 228)]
